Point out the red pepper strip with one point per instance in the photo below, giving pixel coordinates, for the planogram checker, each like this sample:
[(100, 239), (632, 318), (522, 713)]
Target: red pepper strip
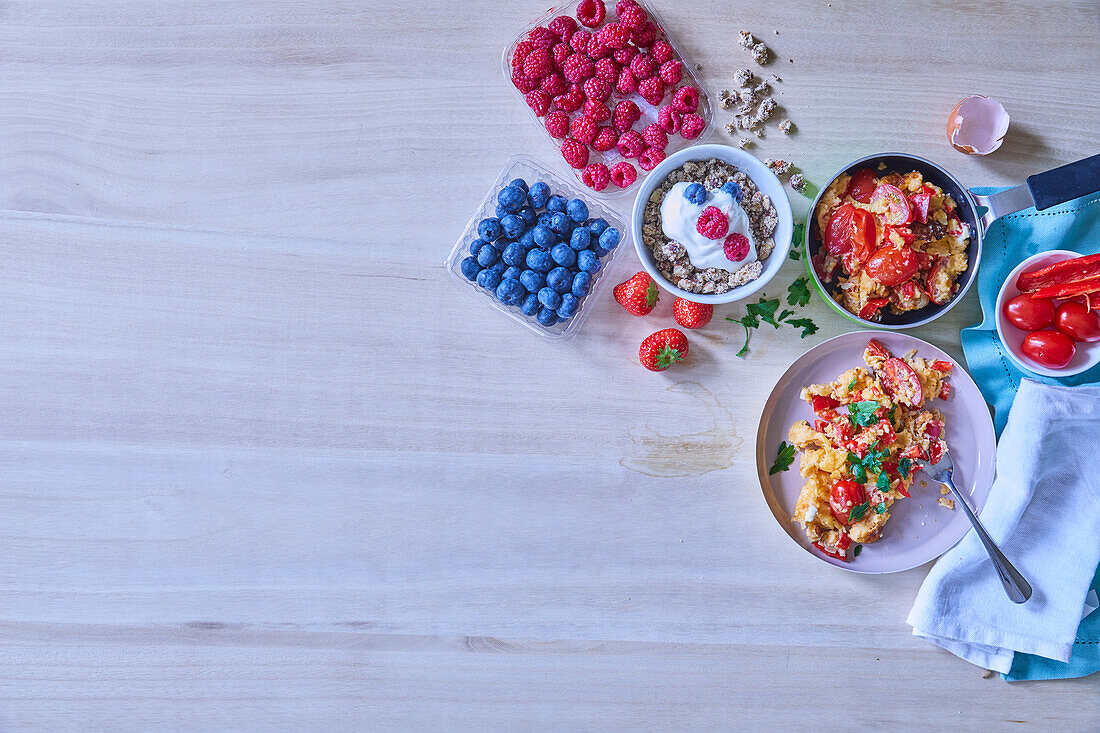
[(1060, 273), (945, 391), (1070, 290), (874, 305), (822, 402), (831, 553), (1092, 300), (943, 366)]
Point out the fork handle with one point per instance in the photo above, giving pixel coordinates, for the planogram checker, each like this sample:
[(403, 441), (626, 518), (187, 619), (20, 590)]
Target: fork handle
[(1016, 586)]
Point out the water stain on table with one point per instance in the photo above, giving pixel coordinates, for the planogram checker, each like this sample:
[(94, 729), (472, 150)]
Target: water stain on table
[(690, 454)]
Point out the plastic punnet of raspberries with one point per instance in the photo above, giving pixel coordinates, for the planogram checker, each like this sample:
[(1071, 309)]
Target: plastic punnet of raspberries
[(591, 13), (650, 158), (691, 126), (713, 224), (538, 64), (644, 35), (623, 174), (736, 247), (597, 110), (669, 118), (662, 52), (606, 139), (557, 124), (632, 16), (608, 70), (563, 26), (686, 99), (655, 136), (584, 129), (596, 89), (575, 152), (596, 176), (576, 68), (539, 101), (671, 72), (643, 66), (625, 115), (626, 83), (652, 90), (631, 144)]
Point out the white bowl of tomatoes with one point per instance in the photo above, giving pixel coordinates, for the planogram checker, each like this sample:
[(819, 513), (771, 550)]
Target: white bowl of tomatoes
[(1048, 313)]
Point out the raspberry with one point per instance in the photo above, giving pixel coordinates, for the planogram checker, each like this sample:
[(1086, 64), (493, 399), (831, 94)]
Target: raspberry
[(591, 13), (632, 16), (625, 115), (597, 49), (522, 49), (644, 35), (579, 41), (596, 177), (584, 129), (669, 118), (557, 124), (597, 110), (542, 37), (563, 26), (575, 152), (655, 137), (625, 55), (626, 83), (686, 99), (522, 83), (560, 53), (736, 247), (539, 101), (606, 139), (576, 68), (631, 144), (670, 72), (662, 52), (568, 102), (643, 66), (607, 70), (713, 224), (623, 174), (614, 35), (692, 125), (538, 64), (597, 89), (554, 84), (652, 90), (650, 158), (623, 5)]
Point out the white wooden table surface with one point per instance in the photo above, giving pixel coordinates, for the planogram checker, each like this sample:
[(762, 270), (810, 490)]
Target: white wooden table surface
[(265, 467)]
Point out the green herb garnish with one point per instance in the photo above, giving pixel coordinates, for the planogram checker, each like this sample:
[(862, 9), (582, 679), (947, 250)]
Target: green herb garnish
[(880, 508), (796, 241), (861, 467), (767, 311), (863, 413), (858, 511), (798, 292), (853, 383), (808, 326), (904, 467), (883, 482), (783, 458), (857, 550)]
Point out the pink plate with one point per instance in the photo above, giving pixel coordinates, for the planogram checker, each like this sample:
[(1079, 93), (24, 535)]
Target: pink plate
[(919, 529)]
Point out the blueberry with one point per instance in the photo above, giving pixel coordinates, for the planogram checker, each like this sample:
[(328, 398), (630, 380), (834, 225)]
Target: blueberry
[(695, 193), (489, 229), (550, 298), (533, 280), (733, 190), (609, 239), (545, 218), (498, 268), (580, 239), (564, 255), (512, 225), (510, 292), (582, 284), (588, 261), (530, 305), (556, 204), (560, 279), (539, 260), (528, 215), (577, 210), (547, 317), (511, 198), (559, 222), (538, 195), (487, 255), (475, 246), (512, 272), (520, 184), (470, 268), (568, 306), (545, 236), (596, 226), (500, 212), (488, 279), (514, 255), (527, 241)]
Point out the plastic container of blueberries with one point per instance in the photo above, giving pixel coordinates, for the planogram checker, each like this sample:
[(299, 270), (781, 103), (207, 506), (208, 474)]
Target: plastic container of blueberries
[(649, 112), (531, 170)]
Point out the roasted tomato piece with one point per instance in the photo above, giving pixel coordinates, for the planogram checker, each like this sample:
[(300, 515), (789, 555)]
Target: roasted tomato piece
[(831, 553), (901, 382), (945, 391), (838, 233), (939, 282), (933, 428), (845, 495), (881, 433), (936, 451), (877, 350), (920, 203), (863, 184), (874, 305), (943, 366), (898, 210), (864, 234), (822, 402), (892, 265)]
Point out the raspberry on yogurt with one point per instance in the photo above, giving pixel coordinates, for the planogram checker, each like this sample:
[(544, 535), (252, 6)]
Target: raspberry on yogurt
[(713, 224), (736, 247)]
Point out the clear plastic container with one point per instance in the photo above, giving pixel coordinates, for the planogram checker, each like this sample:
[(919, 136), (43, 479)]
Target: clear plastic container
[(530, 170), (649, 112)]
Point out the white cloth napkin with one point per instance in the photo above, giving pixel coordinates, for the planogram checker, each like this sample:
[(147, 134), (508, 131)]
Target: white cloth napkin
[(1044, 513)]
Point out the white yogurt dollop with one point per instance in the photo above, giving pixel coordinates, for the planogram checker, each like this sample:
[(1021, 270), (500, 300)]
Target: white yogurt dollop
[(679, 218)]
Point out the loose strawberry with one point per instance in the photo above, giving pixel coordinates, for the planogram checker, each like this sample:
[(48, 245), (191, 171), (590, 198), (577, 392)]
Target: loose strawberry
[(661, 350), (638, 294), (692, 315)]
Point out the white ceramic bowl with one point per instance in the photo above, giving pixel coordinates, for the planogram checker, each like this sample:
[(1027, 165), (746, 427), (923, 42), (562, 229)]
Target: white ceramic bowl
[(765, 181), (1088, 354)]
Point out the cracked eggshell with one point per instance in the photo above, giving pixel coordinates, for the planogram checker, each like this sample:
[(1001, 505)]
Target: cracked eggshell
[(977, 125)]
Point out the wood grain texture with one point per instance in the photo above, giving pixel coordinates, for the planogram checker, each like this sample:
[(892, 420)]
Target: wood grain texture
[(266, 468)]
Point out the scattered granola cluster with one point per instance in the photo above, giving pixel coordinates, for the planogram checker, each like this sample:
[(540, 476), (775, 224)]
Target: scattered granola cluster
[(782, 168)]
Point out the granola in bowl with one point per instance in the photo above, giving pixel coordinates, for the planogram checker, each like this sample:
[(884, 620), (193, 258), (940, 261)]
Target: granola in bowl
[(708, 227)]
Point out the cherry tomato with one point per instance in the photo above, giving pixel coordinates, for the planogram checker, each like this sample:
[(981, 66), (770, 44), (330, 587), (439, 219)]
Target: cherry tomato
[(901, 382), (822, 402), (1028, 313), (1078, 322), (891, 265), (863, 234), (838, 233), (898, 210), (920, 203), (862, 185), (845, 495), (1052, 349)]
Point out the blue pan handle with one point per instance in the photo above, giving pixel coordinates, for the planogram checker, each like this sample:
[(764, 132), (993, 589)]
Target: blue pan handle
[(1066, 183)]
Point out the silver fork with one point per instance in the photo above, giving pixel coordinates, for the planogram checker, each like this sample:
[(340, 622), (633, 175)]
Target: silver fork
[(1016, 586)]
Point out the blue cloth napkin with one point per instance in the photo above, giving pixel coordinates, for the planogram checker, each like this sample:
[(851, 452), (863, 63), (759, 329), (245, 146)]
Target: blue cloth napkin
[(1074, 226)]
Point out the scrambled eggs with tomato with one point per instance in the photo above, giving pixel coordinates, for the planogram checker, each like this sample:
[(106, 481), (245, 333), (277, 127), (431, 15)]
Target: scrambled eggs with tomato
[(893, 241), (858, 457)]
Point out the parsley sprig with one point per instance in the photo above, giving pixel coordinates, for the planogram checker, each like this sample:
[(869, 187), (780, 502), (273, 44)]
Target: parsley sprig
[(863, 413), (858, 511), (767, 311), (783, 458), (870, 463), (796, 241)]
